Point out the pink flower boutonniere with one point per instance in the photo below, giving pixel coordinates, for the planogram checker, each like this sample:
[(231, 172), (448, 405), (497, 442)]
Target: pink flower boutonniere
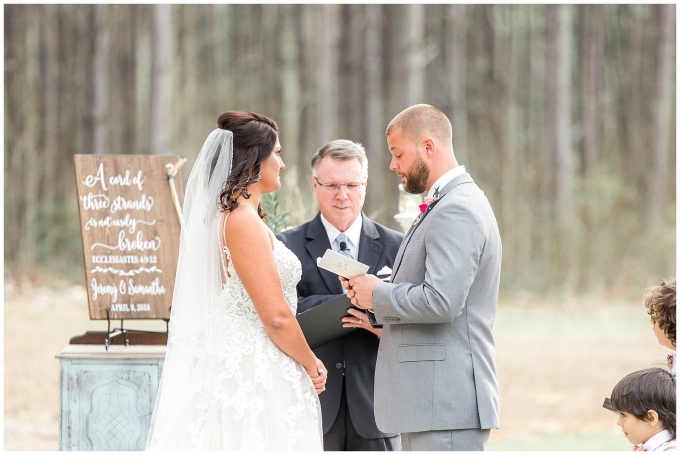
[(429, 200)]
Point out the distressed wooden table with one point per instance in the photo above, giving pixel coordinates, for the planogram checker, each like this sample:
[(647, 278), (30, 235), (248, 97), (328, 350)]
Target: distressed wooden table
[(107, 397)]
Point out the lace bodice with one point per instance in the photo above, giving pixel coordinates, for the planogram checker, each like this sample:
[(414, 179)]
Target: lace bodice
[(238, 303)]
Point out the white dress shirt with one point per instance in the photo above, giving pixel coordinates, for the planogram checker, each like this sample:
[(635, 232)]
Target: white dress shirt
[(446, 178), (353, 233)]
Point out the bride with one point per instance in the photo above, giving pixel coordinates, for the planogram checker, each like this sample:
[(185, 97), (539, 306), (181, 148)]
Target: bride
[(238, 373)]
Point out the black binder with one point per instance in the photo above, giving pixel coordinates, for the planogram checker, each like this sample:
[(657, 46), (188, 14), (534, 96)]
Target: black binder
[(323, 323)]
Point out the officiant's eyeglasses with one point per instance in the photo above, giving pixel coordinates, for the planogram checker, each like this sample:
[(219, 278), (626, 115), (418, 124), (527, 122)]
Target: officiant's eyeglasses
[(335, 187)]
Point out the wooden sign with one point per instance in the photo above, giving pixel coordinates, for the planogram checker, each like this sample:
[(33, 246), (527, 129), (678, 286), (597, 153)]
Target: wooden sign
[(130, 232)]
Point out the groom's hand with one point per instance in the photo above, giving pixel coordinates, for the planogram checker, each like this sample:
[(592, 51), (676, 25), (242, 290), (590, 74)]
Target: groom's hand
[(360, 290)]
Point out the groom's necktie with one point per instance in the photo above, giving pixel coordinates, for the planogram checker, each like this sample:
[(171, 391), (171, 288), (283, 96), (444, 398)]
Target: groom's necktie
[(343, 240)]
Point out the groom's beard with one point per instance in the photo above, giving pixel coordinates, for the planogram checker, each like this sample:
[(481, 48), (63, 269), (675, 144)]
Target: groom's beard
[(416, 177)]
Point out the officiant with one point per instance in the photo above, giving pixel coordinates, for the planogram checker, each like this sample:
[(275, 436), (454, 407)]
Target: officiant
[(339, 179)]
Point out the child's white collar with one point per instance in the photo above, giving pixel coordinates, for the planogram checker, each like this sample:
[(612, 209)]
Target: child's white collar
[(656, 441)]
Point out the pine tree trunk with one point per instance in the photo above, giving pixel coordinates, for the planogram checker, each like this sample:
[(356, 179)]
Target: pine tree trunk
[(662, 114), (14, 28), (378, 157), (456, 69), (127, 70), (270, 89), (415, 73), (290, 91), (309, 57), (328, 69), (558, 164), (161, 83), (189, 60), (31, 168), (592, 55), (51, 80), (223, 43), (505, 81), (102, 49), (558, 139), (353, 86)]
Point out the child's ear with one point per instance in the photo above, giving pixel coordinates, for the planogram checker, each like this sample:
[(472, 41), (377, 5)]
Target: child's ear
[(652, 417)]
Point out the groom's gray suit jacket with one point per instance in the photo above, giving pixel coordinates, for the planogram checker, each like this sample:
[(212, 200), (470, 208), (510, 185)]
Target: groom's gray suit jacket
[(436, 367)]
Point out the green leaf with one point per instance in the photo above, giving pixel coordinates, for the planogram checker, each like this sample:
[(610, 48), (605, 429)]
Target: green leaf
[(276, 220)]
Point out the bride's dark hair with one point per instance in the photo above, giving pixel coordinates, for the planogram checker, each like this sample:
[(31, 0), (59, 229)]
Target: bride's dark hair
[(254, 139)]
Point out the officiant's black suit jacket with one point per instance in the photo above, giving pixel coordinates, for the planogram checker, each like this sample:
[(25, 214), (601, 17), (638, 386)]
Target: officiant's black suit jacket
[(359, 349)]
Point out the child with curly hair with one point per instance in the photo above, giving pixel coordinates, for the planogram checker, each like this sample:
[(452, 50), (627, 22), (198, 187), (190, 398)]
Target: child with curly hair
[(660, 304), (645, 403)]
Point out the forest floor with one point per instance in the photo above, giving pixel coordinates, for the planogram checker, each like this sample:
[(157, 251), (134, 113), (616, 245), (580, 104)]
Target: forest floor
[(557, 361)]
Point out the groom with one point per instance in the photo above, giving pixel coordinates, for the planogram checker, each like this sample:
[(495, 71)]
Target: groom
[(435, 380)]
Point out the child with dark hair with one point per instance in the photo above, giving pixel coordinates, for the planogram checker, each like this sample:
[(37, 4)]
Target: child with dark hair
[(645, 403), (660, 304)]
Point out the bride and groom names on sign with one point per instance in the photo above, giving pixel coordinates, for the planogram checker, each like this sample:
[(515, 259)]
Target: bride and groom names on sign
[(124, 230)]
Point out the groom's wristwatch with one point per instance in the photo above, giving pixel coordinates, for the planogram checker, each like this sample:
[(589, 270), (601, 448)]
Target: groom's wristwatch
[(372, 320)]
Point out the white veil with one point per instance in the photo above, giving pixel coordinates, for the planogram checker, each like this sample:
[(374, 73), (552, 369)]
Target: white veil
[(198, 282)]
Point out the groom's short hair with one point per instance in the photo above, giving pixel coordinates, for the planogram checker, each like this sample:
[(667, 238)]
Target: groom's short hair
[(342, 150), (419, 120)]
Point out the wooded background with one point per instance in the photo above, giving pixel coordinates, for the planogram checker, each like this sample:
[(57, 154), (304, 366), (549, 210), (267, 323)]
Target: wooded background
[(563, 114)]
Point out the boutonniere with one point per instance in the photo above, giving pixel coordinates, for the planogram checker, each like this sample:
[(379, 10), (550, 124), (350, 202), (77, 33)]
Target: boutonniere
[(429, 200)]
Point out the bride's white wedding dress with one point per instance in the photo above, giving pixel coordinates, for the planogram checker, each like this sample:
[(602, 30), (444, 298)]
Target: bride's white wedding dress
[(247, 393)]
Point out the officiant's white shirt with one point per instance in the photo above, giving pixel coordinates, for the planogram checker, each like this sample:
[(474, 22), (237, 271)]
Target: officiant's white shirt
[(353, 233), (446, 178)]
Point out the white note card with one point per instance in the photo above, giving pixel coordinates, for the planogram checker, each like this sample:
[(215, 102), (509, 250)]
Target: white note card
[(342, 265)]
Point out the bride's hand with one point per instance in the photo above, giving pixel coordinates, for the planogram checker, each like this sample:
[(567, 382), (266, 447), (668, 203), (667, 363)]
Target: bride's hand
[(319, 376)]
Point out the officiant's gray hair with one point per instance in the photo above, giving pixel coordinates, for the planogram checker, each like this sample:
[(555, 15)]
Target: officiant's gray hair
[(341, 149)]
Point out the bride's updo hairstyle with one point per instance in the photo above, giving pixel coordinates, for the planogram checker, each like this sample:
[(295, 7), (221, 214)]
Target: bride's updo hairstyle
[(254, 139)]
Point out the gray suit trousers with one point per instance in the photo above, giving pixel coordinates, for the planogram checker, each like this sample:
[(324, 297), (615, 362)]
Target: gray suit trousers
[(450, 440)]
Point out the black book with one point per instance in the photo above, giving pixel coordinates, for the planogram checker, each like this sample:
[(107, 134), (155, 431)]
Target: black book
[(323, 323)]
